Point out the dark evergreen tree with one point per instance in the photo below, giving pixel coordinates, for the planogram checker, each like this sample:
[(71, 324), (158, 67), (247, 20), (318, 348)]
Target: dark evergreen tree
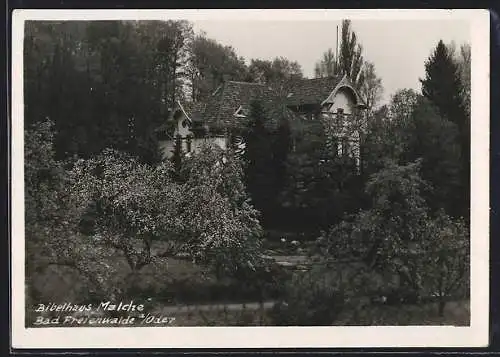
[(321, 184), (443, 87), (260, 173)]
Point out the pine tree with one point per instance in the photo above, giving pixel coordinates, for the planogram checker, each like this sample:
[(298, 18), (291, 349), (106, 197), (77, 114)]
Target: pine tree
[(260, 173), (443, 87)]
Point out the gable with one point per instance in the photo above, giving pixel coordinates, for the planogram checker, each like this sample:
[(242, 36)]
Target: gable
[(230, 102), (344, 98), (345, 86)]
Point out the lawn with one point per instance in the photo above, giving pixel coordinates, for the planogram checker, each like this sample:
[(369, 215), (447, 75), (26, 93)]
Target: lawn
[(176, 287)]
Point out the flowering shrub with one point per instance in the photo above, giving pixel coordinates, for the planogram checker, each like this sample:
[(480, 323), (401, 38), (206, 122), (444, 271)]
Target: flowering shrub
[(52, 216), (132, 204), (127, 205), (221, 226)]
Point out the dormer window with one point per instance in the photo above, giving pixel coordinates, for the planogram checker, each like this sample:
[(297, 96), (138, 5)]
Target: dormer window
[(241, 112)]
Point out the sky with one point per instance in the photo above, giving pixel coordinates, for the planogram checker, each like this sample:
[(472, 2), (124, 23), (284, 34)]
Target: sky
[(398, 48)]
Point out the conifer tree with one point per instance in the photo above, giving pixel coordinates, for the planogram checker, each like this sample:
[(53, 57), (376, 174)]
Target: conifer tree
[(443, 87), (258, 158)]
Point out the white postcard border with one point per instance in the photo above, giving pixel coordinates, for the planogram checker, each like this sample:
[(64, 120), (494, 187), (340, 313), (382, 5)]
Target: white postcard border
[(475, 335)]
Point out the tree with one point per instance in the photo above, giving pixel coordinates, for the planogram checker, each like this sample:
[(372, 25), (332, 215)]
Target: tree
[(274, 72), (371, 88), (435, 141), (402, 105), (443, 87), (390, 228), (220, 226), (350, 55), (131, 205), (210, 64), (328, 66), (126, 71), (351, 63), (397, 235), (258, 158), (53, 216), (321, 184), (382, 141), (445, 265), (415, 130), (464, 66)]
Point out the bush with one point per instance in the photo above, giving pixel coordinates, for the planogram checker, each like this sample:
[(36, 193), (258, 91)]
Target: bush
[(310, 300)]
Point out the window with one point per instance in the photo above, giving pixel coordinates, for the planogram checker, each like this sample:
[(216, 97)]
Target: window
[(188, 143)]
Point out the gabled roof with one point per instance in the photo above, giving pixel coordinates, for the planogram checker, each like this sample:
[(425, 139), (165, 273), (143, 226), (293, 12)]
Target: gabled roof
[(226, 100), (219, 110), (311, 91)]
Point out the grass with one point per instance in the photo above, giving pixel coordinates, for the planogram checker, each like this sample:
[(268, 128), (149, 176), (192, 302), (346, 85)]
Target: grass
[(177, 282), (456, 313)]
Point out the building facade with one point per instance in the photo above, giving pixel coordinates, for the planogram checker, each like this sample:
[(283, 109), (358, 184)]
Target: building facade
[(333, 100)]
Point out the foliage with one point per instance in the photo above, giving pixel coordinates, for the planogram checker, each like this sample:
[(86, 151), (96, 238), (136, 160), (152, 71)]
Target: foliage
[(391, 227), (260, 173), (435, 141), (350, 54), (402, 105), (462, 58), (412, 129), (445, 266), (52, 217), (131, 204), (350, 61), (210, 64), (382, 141), (328, 66), (443, 87), (221, 228), (370, 88), (397, 235), (464, 66), (321, 184), (310, 300), (129, 74), (276, 71)]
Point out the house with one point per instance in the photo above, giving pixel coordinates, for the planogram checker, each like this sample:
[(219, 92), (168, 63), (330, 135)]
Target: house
[(331, 99)]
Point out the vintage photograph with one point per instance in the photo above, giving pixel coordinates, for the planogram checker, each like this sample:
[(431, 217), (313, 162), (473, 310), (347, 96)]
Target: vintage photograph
[(196, 172)]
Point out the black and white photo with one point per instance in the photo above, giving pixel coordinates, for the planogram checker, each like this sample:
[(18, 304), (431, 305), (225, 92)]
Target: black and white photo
[(250, 170)]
